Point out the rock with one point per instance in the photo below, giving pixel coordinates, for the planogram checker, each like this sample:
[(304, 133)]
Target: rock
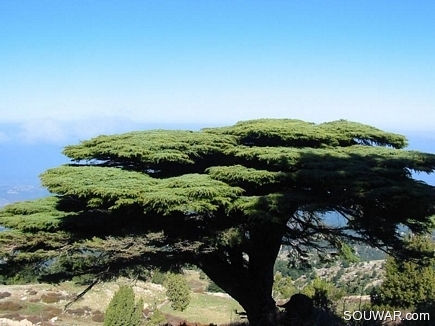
[(25, 322), (10, 322)]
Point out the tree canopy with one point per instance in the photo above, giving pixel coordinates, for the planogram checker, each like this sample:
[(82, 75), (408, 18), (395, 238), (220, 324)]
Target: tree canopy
[(224, 199)]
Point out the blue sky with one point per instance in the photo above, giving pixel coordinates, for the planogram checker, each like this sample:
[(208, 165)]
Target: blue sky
[(75, 69)]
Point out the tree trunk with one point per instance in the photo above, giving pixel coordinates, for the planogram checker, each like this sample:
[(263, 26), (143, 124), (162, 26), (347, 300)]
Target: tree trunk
[(260, 308), (250, 283)]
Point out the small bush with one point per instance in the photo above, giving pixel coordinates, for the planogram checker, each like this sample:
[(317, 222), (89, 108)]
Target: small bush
[(158, 277), (157, 318), (4, 295), (213, 287), (122, 310), (177, 291), (323, 293), (51, 297), (10, 306), (98, 317)]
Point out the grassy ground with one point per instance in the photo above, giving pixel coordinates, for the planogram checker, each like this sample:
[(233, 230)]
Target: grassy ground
[(42, 302), (206, 308)]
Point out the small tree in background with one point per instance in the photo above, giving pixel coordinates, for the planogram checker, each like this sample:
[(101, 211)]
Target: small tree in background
[(122, 310), (283, 287), (408, 283), (177, 291), (323, 293)]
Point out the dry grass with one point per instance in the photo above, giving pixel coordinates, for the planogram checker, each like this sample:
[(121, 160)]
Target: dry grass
[(10, 306)]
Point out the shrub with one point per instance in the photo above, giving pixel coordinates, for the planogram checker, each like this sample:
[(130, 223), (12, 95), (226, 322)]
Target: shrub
[(10, 306), (202, 275), (4, 295), (157, 318), (409, 283), (177, 291), (281, 266), (213, 287), (345, 264), (122, 310), (158, 277), (98, 317), (283, 287), (323, 293), (51, 297)]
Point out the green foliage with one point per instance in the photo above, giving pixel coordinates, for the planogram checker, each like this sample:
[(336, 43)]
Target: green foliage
[(347, 253), (338, 276), (409, 283), (157, 318), (425, 311), (122, 309), (368, 253), (177, 291), (282, 266), (283, 287), (158, 277), (202, 275), (114, 188), (37, 215), (323, 293), (23, 276), (345, 264), (213, 287)]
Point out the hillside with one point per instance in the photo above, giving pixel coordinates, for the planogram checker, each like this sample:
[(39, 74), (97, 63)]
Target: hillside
[(44, 303)]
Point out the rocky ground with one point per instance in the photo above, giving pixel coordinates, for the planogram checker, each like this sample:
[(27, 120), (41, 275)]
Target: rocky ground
[(43, 304)]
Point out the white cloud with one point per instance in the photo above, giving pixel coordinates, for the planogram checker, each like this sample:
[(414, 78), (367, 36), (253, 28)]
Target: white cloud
[(205, 109), (42, 130), (63, 132), (94, 126), (84, 112), (70, 132)]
